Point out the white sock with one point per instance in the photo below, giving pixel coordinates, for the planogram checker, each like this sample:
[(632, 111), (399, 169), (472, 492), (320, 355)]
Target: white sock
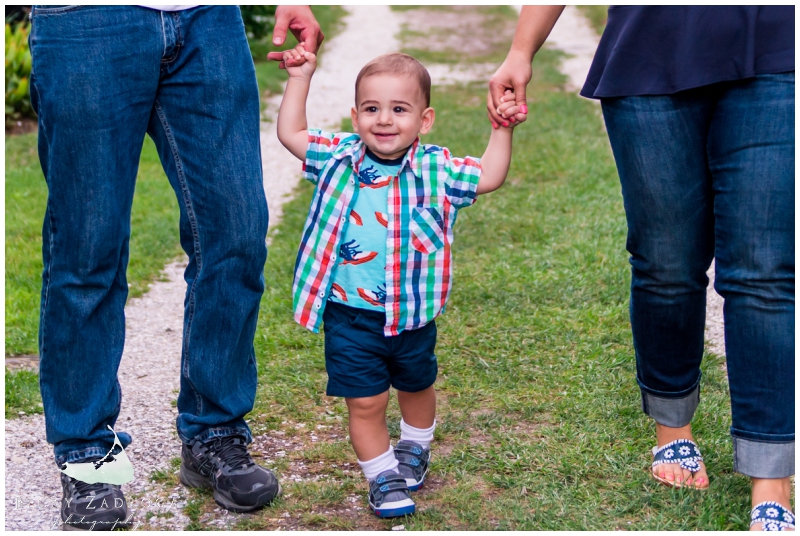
[(385, 462), (423, 436)]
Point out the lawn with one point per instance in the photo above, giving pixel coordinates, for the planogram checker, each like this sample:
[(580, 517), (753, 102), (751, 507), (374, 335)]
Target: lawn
[(539, 420)]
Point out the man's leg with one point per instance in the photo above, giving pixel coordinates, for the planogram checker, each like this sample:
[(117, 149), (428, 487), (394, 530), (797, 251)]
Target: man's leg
[(206, 126), (659, 145), (751, 155), (95, 74)]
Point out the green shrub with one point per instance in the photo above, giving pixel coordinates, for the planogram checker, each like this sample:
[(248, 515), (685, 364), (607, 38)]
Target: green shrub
[(18, 71), (258, 20)]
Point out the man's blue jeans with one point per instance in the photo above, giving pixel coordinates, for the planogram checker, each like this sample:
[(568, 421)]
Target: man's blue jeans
[(709, 173), (103, 76)]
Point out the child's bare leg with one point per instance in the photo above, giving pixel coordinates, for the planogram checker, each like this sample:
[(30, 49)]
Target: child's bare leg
[(418, 409), (368, 432)]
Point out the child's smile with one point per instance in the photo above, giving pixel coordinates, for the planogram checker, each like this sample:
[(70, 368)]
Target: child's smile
[(391, 113)]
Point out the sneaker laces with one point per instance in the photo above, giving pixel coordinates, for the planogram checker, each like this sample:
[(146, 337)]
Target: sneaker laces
[(232, 451)]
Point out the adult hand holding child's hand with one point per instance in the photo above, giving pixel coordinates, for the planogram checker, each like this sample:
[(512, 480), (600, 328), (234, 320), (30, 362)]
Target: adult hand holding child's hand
[(511, 78), (301, 22), (509, 110), (298, 62)]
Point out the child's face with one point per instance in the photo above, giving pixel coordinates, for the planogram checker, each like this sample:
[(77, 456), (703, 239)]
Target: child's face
[(391, 113)]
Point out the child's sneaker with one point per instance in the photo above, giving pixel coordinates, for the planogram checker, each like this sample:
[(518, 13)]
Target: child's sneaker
[(389, 497), (414, 461)]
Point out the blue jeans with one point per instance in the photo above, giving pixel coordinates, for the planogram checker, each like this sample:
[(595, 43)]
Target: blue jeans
[(103, 76), (709, 173)]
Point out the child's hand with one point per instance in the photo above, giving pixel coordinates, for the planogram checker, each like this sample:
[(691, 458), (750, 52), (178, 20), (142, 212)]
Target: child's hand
[(298, 62), (509, 110)]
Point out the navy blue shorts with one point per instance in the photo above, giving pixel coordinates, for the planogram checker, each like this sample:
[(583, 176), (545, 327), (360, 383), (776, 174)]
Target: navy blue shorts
[(361, 361)]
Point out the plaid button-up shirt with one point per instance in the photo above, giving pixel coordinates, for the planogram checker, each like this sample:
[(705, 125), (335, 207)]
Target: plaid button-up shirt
[(422, 205)]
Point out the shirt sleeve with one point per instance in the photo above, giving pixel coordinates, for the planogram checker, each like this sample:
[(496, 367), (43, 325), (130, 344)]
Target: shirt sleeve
[(320, 146), (463, 175)]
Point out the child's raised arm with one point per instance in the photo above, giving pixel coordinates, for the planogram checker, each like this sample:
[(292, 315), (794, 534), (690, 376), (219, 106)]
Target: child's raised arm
[(497, 157), (495, 161), (292, 124)]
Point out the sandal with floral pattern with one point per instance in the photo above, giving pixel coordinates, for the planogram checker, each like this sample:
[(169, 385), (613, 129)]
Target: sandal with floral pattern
[(683, 452), (772, 516)]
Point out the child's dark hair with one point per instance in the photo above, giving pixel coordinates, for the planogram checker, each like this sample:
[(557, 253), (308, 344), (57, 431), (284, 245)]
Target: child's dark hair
[(399, 64)]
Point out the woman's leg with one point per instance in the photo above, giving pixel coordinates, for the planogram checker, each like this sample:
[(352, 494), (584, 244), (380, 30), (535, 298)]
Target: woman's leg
[(659, 147), (751, 157)]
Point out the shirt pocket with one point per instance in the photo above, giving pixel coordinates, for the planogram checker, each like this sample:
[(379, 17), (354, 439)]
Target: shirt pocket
[(427, 230)]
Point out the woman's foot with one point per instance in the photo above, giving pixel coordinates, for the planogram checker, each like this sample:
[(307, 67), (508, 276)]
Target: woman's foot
[(771, 489), (672, 472)]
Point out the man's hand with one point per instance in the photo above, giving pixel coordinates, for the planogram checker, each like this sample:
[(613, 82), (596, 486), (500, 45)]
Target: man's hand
[(301, 22), (512, 76)]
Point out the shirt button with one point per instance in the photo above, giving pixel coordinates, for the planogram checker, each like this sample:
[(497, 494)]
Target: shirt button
[(352, 181), (318, 305), (321, 293)]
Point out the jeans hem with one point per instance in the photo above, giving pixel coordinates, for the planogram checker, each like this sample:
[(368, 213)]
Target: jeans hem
[(672, 411), (763, 459), (81, 456), (212, 433)]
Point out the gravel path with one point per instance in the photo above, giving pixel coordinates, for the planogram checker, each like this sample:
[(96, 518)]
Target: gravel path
[(149, 372)]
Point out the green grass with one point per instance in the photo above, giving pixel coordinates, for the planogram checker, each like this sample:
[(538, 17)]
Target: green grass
[(539, 415), (597, 15)]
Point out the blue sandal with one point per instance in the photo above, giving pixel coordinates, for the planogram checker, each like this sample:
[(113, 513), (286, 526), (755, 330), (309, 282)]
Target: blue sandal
[(772, 516), (683, 452)]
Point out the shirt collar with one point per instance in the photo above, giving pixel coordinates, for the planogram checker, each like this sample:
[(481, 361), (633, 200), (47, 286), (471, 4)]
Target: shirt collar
[(355, 149)]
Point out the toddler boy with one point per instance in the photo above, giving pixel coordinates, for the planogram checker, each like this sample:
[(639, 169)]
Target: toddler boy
[(374, 263)]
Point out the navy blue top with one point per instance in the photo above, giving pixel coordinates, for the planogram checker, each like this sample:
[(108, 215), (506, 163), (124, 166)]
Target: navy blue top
[(659, 50)]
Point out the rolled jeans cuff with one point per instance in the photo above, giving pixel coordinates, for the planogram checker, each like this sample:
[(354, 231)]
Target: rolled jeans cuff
[(763, 459), (671, 409)]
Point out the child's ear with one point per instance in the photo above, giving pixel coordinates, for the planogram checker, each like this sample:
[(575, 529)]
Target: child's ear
[(354, 118), (428, 116)]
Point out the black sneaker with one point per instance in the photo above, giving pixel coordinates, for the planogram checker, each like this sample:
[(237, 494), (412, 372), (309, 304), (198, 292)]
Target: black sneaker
[(223, 463), (413, 462), (92, 506)]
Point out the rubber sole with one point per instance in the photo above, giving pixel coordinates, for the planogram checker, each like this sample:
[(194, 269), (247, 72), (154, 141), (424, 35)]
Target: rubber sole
[(192, 479), (394, 512)]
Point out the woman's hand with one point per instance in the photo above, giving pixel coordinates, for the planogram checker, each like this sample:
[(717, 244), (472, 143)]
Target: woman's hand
[(533, 27), (512, 76)]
